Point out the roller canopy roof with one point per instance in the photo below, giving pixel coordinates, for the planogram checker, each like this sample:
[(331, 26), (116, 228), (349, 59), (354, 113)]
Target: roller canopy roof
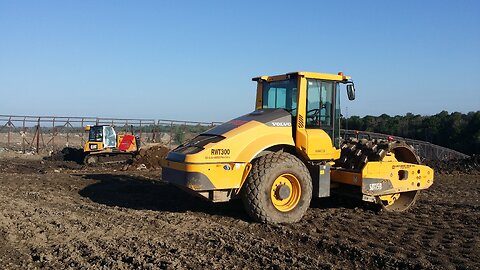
[(311, 75)]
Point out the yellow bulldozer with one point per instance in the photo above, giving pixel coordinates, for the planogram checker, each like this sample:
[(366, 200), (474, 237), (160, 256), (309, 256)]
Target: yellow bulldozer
[(105, 146), (289, 150)]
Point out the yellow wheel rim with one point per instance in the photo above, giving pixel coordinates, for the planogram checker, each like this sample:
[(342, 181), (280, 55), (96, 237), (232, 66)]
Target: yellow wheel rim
[(285, 192)]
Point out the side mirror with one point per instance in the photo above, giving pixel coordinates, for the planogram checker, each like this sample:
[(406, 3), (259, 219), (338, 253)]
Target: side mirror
[(351, 91)]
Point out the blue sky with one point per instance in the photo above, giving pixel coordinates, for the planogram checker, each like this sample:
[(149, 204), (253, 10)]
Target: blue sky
[(194, 60)]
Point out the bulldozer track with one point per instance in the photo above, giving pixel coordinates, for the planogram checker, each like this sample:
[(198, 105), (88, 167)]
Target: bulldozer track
[(101, 159)]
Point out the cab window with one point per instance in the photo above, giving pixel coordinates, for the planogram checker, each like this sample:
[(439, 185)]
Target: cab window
[(95, 134), (110, 137), (319, 103), (280, 95)]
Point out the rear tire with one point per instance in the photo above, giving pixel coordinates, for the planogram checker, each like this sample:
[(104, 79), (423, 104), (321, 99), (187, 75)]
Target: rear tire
[(278, 189)]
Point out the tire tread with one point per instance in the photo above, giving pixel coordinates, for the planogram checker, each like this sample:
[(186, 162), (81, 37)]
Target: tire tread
[(252, 189)]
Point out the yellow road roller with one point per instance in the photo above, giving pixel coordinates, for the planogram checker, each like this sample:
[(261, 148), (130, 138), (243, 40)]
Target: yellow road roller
[(289, 149)]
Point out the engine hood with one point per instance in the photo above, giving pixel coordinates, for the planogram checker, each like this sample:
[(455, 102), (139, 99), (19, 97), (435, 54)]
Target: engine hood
[(269, 117), (238, 140)]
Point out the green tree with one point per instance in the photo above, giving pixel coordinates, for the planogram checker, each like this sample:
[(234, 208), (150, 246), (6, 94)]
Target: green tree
[(456, 130)]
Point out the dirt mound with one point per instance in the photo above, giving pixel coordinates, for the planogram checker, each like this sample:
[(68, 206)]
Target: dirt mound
[(469, 165), (149, 157), (67, 154)]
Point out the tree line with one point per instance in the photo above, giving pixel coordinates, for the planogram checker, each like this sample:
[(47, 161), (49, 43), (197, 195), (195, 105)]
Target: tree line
[(455, 130)]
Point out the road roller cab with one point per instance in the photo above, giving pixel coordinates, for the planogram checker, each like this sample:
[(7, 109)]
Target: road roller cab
[(289, 149)]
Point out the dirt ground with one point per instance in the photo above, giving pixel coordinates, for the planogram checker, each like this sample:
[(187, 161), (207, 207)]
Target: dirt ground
[(57, 214)]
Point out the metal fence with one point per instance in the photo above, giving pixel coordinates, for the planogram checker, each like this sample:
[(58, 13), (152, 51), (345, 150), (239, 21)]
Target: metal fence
[(424, 149), (47, 133)]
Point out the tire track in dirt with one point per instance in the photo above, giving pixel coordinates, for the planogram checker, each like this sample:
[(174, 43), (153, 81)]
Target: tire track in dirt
[(101, 219)]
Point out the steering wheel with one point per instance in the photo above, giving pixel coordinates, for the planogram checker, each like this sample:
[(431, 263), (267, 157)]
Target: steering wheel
[(313, 114)]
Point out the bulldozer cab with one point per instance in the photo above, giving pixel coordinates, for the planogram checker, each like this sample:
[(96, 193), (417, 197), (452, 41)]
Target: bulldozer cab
[(313, 100), (103, 134)]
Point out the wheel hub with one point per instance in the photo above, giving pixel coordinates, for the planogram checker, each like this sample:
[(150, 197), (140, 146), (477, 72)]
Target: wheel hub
[(285, 192), (282, 192)]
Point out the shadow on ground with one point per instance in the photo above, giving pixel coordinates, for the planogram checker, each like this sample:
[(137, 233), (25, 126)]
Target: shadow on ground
[(348, 198), (136, 192)]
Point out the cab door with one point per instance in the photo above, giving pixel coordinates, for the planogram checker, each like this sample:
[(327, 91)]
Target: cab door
[(319, 128), (109, 137)]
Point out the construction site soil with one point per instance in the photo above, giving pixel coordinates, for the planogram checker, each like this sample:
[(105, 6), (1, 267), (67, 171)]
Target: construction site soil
[(58, 214)]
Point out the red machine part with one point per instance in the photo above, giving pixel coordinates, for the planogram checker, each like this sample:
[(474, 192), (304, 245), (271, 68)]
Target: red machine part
[(126, 142)]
